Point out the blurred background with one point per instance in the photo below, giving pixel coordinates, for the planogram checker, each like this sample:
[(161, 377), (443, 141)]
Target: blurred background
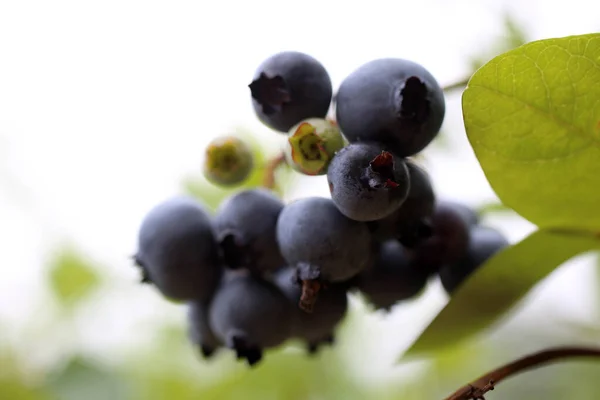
[(105, 109)]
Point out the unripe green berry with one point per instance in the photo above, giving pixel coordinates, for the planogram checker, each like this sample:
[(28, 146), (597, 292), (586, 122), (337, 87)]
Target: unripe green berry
[(228, 161), (312, 144)]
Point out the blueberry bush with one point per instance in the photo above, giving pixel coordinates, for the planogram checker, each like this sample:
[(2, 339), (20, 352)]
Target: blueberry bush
[(532, 116), (270, 287)]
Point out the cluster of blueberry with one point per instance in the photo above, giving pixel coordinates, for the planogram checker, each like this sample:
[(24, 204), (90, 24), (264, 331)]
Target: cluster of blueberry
[(260, 272)]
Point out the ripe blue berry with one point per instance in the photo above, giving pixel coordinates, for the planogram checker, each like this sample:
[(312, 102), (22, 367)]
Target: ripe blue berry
[(448, 242), (411, 223), (392, 278), (318, 327), (484, 243), (367, 182), (468, 214), (249, 314), (228, 161), (322, 244), (245, 226), (289, 87), (177, 250), (312, 144), (393, 101), (199, 330)]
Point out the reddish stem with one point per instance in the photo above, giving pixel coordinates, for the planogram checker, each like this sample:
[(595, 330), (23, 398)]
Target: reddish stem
[(271, 167), (476, 390)]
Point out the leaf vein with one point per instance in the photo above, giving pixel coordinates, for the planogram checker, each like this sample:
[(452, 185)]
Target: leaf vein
[(564, 124)]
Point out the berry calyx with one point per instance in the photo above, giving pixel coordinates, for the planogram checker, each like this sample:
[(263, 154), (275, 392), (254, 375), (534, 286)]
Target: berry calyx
[(270, 92), (412, 103), (310, 293), (312, 144), (381, 171)]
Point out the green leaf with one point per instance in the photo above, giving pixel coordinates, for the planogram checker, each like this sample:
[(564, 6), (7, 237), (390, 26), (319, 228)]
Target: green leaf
[(532, 116), (72, 277), (498, 285), (290, 375)]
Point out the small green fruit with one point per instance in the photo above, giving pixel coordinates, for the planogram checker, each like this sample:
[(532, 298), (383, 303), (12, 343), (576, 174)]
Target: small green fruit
[(228, 161), (312, 144)]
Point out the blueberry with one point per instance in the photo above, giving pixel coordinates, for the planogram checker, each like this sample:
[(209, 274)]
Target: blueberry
[(468, 214), (322, 245), (411, 223), (245, 226), (228, 161), (312, 144), (318, 327), (393, 101), (484, 243), (393, 277), (289, 87), (177, 250), (448, 242), (249, 314), (199, 330), (367, 182)]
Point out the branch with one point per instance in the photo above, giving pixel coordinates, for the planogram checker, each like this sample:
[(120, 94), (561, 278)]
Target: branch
[(476, 390), (271, 167), (456, 85)]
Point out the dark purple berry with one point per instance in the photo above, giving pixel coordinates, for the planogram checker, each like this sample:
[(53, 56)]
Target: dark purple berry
[(245, 226), (392, 101), (468, 214), (322, 245), (290, 87), (484, 243), (448, 242), (318, 327), (249, 314), (411, 222), (366, 182), (393, 277), (199, 331), (177, 250)]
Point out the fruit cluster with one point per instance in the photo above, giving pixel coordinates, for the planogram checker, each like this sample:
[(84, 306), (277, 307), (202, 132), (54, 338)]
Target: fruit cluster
[(259, 271)]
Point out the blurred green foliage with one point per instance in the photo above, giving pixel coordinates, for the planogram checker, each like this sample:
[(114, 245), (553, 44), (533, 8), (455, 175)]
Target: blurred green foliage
[(72, 278), (81, 379)]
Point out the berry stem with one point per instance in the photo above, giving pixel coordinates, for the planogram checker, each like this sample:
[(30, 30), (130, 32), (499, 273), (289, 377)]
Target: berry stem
[(271, 167), (461, 84), (476, 389)]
